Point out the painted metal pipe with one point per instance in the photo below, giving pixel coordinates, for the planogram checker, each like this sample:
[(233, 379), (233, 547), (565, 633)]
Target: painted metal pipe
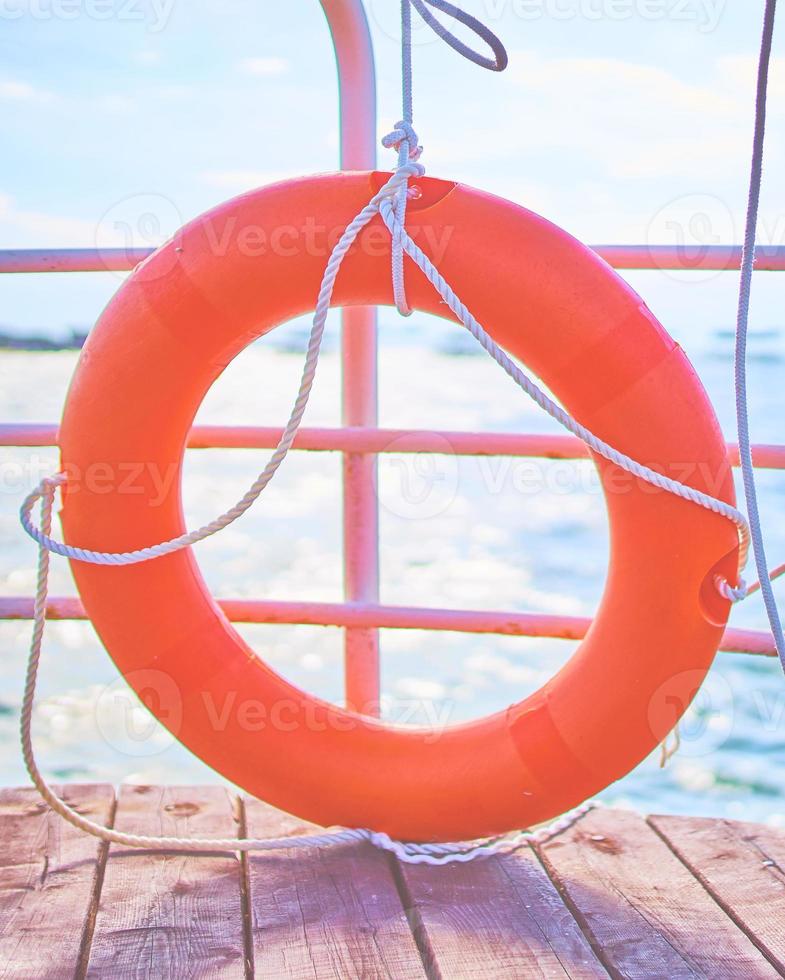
[(71, 259), (718, 258), (355, 440), (357, 109), (374, 616)]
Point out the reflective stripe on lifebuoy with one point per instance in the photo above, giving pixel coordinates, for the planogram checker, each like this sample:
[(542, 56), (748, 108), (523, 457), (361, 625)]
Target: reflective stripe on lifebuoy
[(257, 261)]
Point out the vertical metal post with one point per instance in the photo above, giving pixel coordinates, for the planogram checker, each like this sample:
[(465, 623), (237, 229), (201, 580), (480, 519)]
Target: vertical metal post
[(357, 95)]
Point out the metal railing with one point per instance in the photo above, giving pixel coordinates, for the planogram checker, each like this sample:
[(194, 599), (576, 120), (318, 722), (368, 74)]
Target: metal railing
[(704, 258), (359, 440), (363, 615)]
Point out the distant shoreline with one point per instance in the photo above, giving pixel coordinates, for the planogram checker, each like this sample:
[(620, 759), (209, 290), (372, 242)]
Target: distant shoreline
[(35, 342)]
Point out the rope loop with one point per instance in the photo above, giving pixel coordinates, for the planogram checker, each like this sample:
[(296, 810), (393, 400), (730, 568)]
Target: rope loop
[(499, 60), (731, 593)]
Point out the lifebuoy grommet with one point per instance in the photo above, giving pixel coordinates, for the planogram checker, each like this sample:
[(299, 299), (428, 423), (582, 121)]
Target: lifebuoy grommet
[(257, 261)]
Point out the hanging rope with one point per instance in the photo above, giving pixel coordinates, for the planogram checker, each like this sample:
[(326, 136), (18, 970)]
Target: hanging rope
[(403, 138), (390, 203), (742, 322)]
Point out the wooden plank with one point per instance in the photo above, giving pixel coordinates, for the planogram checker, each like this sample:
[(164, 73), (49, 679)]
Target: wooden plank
[(48, 876), (646, 914), (325, 913), (171, 914), (498, 917), (743, 866)]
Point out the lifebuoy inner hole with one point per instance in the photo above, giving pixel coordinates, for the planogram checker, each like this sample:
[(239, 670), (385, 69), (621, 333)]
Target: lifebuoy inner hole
[(456, 531)]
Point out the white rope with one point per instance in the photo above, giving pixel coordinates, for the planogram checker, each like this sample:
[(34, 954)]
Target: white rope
[(410, 853), (390, 203), (742, 322), (403, 139), (526, 384), (499, 60)]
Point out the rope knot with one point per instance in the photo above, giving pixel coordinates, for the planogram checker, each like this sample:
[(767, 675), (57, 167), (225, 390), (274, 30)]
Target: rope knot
[(411, 169), (381, 840), (730, 592), (50, 483), (403, 133), (400, 177), (404, 140)]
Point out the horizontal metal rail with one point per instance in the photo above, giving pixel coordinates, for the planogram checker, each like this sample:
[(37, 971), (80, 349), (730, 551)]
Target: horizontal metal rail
[(711, 258), (718, 258), (375, 616), (372, 440), (72, 259)]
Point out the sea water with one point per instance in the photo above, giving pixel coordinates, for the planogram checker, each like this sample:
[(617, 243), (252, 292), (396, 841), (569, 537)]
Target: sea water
[(476, 533)]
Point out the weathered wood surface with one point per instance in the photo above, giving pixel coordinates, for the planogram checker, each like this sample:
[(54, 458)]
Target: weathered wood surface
[(171, 915), (328, 913), (742, 865), (642, 909), (615, 895), (49, 873), (499, 917)]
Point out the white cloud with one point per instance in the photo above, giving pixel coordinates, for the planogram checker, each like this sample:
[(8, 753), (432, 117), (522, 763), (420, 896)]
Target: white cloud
[(147, 57), (264, 66), (175, 92), (20, 228), (620, 118), (13, 91), (603, 145), (117, 103), (638, 120)]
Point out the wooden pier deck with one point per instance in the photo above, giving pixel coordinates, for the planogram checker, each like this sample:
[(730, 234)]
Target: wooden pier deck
[(617, 895)]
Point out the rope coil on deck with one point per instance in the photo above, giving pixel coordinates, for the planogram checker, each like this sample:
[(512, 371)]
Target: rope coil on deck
[(390, 203)]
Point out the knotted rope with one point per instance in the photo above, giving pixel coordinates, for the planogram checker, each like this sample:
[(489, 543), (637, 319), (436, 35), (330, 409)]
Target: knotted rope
[(390, 203)]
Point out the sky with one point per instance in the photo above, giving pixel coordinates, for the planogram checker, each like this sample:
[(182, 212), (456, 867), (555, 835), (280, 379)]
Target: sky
[(621, 120)]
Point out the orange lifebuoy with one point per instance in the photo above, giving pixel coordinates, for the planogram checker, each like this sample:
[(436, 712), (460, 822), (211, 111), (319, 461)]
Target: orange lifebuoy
[(198, 301)]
